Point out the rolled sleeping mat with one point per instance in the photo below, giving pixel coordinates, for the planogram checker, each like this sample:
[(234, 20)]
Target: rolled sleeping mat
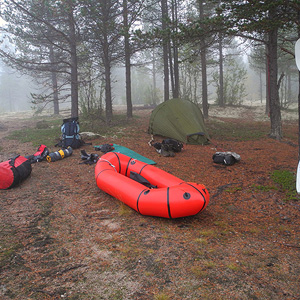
[(60, 154)]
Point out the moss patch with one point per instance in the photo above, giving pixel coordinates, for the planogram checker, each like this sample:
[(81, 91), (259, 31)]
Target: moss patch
[(286, 181)]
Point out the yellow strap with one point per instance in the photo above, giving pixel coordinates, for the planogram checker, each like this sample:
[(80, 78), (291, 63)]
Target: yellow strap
[(62, 153), (48, 158)]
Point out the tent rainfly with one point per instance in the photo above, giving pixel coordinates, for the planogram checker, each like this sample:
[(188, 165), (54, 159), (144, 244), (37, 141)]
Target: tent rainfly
[(179, 119)]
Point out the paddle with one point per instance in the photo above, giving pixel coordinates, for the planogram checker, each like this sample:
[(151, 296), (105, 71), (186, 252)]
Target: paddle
[(297, 58)]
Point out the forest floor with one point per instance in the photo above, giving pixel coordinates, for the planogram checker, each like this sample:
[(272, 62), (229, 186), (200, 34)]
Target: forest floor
[(61, 237)]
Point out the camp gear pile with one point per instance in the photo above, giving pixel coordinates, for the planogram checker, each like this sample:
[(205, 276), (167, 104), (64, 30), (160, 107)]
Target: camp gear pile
[(14, 171), (226, 158), (168, 147), (89, 158), (40, 155)]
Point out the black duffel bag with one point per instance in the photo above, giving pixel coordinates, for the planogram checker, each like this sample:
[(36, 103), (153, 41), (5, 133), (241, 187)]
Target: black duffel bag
[(226, 158)]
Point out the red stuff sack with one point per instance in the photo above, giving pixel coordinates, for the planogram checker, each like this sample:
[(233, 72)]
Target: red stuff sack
[(14, 171)]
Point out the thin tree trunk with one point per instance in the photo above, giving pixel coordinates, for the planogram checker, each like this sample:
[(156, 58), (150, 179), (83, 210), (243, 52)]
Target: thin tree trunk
[(154, 96), (108, 97), (127, 61), (54, 82), (203, 67), (74, 63), (175, 51), (74, 82), (171, 68), (164, 10), (267, 111), (260, 86), (221, 73), (275, 114)]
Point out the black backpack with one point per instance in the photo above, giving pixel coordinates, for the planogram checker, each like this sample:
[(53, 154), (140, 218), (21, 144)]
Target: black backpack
[(226, 158), (173, 145), (70, 134)]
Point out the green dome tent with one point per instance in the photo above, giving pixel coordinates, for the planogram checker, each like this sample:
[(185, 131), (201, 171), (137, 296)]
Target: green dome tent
[(179, 119)]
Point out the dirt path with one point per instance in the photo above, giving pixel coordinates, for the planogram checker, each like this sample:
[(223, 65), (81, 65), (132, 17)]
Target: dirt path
[(63, 238)]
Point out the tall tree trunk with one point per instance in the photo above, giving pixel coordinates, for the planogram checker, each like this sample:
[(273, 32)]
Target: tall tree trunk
[(74, 63), (275, 114), (176, 88), (164, 10), (54, 81), (176, 72), (203, 67), (55, 93), (289, 87), (127, 61), (74, 82), (221, 72), (171, 67), (154, 96), (204, 81), (108, 96), (53, 72), (260, 87), (267, 111)]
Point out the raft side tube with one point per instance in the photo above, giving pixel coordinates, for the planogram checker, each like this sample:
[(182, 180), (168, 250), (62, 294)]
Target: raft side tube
[(113, 179), (172, 202)]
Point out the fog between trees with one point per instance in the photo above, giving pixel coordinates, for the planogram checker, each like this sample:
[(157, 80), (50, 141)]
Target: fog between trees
[(91, 55)]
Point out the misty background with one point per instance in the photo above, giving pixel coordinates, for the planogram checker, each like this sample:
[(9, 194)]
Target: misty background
[(16, 89), (244, 75)]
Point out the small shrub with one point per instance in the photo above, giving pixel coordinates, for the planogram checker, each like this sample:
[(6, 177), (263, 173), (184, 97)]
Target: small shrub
[(233, 267), (199, 271), (161, 296), (124, 210), (201, 241), (209, 264), (42, 124)]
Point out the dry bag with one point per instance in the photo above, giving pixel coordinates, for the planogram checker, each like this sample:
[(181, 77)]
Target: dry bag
[(14, 171)]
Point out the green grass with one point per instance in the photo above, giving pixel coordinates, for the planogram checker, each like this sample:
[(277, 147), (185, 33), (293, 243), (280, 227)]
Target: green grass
[(37, 137), (161, 296), (263, 188), (287, 182), (9, 244), (233, 267), (45, 132), (48, 132)]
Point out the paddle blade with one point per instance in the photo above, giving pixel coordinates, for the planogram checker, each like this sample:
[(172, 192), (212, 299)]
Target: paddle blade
[(298, 179), (297, 54)]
